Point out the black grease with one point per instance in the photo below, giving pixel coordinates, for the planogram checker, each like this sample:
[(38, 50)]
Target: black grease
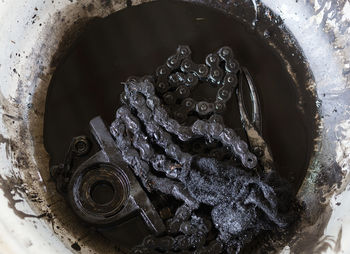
[(137, 40), (329, 176), (76, 246)]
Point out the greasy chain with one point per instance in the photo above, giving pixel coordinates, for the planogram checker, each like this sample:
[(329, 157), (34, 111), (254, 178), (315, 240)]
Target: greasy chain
[(174, 82), (149, 117)]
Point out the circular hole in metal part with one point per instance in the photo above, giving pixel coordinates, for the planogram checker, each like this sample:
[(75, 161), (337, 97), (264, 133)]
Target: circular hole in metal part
[(102, 192)]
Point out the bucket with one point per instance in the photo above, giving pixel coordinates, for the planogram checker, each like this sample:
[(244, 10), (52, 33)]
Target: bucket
[(35, 35)]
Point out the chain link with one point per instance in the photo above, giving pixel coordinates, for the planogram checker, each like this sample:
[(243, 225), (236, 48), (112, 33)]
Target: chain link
[(156, 108)]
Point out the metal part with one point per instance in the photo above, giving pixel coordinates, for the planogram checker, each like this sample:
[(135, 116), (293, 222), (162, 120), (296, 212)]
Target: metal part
[(103, 191), (231, 65), (81, 145), (253, 127)]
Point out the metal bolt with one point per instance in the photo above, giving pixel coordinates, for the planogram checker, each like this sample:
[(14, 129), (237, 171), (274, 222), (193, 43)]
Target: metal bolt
[(81, 145)]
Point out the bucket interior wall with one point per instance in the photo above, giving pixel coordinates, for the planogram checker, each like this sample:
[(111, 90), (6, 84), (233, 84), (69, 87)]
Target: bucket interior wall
[(34, 219)]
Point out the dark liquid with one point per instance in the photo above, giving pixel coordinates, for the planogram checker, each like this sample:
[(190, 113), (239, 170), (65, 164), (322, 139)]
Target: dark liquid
[(137, 40)]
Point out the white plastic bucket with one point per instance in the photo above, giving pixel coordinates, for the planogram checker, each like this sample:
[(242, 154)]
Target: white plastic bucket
[(31, 34)]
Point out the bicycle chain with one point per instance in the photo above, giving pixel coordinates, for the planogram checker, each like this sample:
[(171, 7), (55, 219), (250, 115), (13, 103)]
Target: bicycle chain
[(175, 85), (148, 101), (200, 72)]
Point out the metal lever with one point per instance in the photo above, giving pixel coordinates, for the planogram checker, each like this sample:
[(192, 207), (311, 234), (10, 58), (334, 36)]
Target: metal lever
[(253, 127), (137, 194), (104, 192)]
